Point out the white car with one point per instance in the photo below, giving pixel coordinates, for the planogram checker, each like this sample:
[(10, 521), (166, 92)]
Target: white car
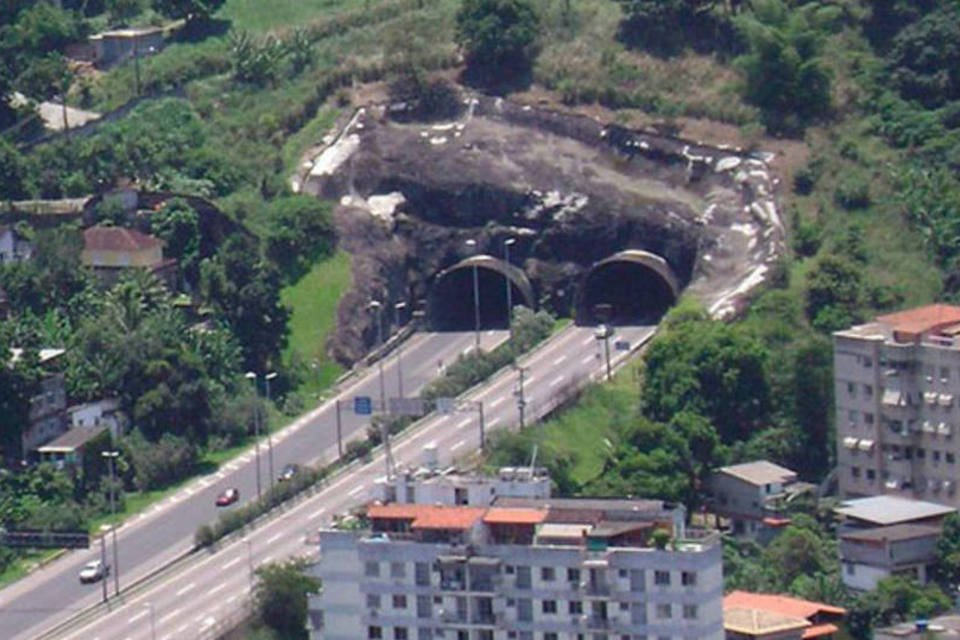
[(94, 571)]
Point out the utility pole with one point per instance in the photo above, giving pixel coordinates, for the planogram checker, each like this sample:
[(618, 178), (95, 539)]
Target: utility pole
[(266, 381), (250, 375), (506, 276), (396, 318), (111, 457), (521, 401)]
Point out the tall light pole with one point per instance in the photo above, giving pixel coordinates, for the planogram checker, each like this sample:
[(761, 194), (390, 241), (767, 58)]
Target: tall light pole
[(111, 457), (603, 332), (521, 400), (266, 382), (506, 276), (251, 376), (397, 308), (476, 294), (377, 306)]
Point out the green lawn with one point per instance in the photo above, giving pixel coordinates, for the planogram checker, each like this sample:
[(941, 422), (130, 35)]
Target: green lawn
[(257, 15), (313, 301)]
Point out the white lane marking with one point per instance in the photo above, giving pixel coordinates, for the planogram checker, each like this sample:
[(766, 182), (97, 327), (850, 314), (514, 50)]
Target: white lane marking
[(559, 360), (138, 616), (499, 400), (273, 539), (181, 629), (231, 563), (556, 381), (458, 445), (231, 599), (266, 560), (316, 515), (355, 491), (172, 614), (187, 588), (589, 340), (463, 423), (494, 420), (217, 588), (588, 359), (208, 622), (528, 380)]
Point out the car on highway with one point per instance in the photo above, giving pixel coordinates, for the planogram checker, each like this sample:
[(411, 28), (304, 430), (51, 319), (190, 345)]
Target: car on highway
[(228, 497), (94, 571), (288, 472)]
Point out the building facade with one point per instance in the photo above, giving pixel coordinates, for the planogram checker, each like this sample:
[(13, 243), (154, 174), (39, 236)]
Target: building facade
[(751, 496), (897, 383), (522, 569), (870, 555)]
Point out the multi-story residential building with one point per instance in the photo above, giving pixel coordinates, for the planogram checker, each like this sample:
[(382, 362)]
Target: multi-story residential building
[(870, 555), (897, 381), (523, 569), (46, 418)]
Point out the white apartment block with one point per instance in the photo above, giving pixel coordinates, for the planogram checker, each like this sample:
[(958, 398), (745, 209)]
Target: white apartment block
[(521, 569), (897, 381)]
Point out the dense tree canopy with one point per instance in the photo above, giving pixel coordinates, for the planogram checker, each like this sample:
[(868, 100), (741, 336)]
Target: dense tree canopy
[(499, 37), (189, 10), (280, 598), (925, 57)]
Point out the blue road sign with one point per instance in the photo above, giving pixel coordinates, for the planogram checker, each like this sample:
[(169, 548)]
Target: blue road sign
[(621, 345), (362, 405)]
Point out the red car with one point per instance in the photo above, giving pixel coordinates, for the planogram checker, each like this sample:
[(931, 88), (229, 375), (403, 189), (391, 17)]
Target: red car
[(228, 497)]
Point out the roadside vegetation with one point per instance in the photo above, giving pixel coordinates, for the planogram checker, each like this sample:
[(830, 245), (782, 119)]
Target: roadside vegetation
[(861, 97)]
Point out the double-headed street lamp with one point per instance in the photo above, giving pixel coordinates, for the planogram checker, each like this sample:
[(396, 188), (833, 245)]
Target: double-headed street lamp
[(377, 306), (476, 293), (506, 275), (397, 308), (257, 419), (111, 457)]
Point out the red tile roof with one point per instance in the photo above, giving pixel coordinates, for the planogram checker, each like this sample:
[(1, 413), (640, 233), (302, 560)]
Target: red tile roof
[(117, 239), (784, 605), (426, 516), (922, 319), (820, 630), (499, 515)]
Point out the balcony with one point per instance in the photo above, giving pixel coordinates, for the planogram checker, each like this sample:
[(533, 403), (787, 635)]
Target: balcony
[(596, 588), (484, 619), (598, 622), (452, 585)]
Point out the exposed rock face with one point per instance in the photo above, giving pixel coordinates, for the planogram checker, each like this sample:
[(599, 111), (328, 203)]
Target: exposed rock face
[(572, 191)]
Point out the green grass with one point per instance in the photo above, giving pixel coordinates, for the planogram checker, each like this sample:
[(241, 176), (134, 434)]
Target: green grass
[(311, 134), (313, 301), (22, 566), (256, 15)]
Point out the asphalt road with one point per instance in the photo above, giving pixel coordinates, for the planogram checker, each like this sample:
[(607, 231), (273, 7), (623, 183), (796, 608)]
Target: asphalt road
[(149, 541), (203, 597)]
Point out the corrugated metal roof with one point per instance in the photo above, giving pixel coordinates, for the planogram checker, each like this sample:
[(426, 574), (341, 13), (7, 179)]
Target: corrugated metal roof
[(886, 510)]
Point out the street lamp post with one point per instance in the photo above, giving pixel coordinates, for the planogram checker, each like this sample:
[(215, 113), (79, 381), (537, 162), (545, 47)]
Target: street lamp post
[(250, 375), (377, 306), (521, 401), (506, 276), (266, 381), (476, 295), (397, 308), (603, 332), (111, 457)]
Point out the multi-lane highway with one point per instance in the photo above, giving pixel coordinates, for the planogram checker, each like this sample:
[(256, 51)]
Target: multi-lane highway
[(198, 597), (152, 539)]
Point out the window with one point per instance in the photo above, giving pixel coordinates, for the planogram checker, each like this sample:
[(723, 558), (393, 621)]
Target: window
[(851, 390), (463, 635), (949, 457), (397, 570), (549, 635), (400, 633), (871, 475), (936, 455), (575, 607), (371, 569), (374, 633), (661, 578), (399, 601), (944, 374), (868, 390), (623, 573), (373, 600), (547, 574), (689, 612), (867, 361), (688, 578), (573, 575), (868, 418), (852, 415), (624, 606), (921, 453), (850, 568), (664, 611), (549, 606), (855, 472)]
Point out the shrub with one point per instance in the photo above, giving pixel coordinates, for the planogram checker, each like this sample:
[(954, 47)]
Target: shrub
[(853, 193)]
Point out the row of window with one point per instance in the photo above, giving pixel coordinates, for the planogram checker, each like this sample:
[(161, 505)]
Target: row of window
[(549, 607), (547, 574)]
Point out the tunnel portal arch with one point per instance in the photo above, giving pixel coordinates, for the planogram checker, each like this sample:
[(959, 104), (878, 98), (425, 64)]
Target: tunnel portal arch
[(629, 287), (450, 302)]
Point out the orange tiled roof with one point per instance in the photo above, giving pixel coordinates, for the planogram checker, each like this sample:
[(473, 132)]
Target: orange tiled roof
[(785, 605), (427, 516), (922, 319), (117, 239), (501, 515), (820, 630)]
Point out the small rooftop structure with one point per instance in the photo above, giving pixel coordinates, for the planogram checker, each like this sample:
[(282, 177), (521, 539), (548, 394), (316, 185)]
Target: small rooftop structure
[(933, 322), (889, 510)]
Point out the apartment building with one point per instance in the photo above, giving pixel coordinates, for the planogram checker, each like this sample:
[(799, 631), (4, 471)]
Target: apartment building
[(897, 380), (523, 569)]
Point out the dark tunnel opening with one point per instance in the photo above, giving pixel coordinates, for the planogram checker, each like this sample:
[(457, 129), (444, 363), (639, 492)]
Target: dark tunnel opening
[(450, 305), (621, 293)]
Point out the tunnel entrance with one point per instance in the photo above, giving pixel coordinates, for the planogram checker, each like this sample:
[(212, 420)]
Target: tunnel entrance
[(450, 303), (629, 288)]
